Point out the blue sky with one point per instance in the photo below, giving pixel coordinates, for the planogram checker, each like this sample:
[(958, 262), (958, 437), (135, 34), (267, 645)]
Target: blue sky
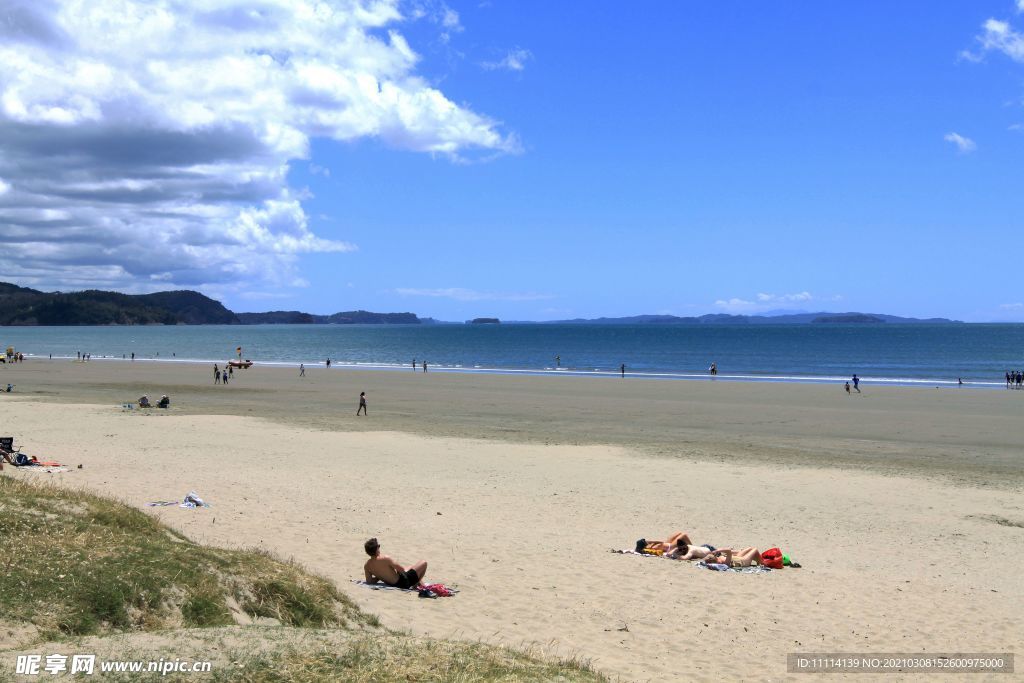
[(681, 158)]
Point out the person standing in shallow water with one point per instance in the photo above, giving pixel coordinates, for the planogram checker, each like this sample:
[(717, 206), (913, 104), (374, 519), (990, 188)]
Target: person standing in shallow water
[(622, 369), (362, 403), (424, 366)]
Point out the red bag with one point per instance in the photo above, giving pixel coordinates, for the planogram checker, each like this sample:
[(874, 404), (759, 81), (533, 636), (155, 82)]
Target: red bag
[(772, 558)]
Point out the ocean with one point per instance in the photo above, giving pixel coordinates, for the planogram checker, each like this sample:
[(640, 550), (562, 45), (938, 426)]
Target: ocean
[(891, 353)]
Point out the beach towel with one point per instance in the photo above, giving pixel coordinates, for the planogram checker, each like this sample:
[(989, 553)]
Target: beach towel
[(630, 551), (162, 503), (715, 567), (431, 590)]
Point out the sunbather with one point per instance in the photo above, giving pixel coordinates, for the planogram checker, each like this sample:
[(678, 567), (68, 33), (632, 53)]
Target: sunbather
[(384, 569), (659, 547), (735, 558), (690, 552)]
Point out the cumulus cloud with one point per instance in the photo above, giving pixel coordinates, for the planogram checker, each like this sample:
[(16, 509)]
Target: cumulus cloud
[(964, 145), (461, 294), (145, 144), (515, 60)]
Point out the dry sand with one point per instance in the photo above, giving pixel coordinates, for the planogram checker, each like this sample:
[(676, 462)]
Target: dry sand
[(904, 505)]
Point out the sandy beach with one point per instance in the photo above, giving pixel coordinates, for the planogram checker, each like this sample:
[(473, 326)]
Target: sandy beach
[(904, 505)]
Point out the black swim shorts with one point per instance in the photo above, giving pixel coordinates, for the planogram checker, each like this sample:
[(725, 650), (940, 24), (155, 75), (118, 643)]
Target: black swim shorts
[(408, 579)]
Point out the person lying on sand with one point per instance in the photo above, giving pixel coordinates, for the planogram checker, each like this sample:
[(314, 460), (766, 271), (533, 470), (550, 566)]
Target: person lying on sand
[(659, 547), (381, 568), (690, 552), (734, 558)]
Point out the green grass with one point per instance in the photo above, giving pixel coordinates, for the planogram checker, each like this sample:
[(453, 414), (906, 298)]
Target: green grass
[(77, 564), (74, 564), (393, 657)]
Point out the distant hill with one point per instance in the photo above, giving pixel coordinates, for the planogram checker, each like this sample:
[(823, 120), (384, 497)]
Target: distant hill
[(857, 318), (343, 318), (24, 306), (726, 319)]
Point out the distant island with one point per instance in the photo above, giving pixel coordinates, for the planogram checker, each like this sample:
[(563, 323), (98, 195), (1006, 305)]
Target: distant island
[(343, 318), (727, 319), (25, 306), (853, 318)]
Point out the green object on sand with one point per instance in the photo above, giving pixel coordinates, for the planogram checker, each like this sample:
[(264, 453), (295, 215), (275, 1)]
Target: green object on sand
[(786, 561)]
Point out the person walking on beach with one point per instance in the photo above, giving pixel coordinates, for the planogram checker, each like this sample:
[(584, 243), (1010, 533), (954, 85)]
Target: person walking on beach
[(622, 369), (382, 569), (328, 363), (133, 356), (362, 403), (216, 374), (224, 376), (302, 370), (847, 388), (856, 382)]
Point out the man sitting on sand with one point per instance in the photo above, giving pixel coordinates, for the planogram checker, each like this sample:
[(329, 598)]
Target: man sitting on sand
[(384, 569)]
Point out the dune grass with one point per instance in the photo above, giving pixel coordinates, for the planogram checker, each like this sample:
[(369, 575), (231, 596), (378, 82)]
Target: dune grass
[(75, 565), (395, 657), (78, 564)]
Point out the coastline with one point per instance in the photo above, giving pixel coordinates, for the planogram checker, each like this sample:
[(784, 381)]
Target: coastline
[(569, 372), (961, 436)]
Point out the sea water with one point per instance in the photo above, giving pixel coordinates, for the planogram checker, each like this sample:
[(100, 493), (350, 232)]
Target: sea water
[(899, 353)]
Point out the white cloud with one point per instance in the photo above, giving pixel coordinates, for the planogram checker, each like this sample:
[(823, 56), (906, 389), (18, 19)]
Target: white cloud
[(1020, 5), (964, 145), (1012, 307), (4, 187), (317, 169), (145, 143), (784, 298), (765, 301), (515, 60), (1001, 37), (461, 294)]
